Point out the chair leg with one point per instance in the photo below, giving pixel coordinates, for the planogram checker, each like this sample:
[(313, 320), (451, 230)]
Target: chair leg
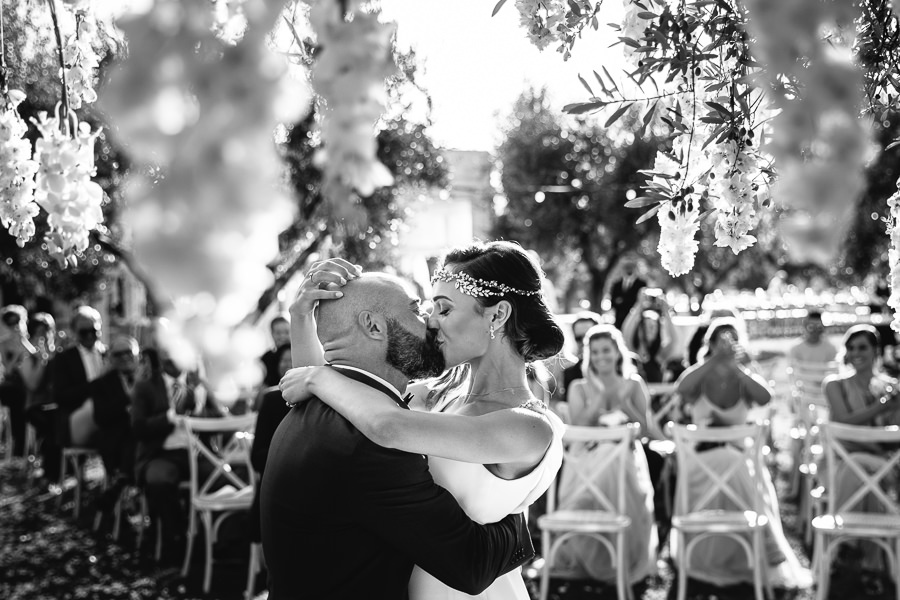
[(157, 553), (545, 571), (682, 565), (209, 532), (252, 570), (621, 581), (63, 464), (823, 561), (79, 477), (192, 531)]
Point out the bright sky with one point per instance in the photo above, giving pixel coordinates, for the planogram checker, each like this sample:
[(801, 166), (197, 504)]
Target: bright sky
[(475, 66)]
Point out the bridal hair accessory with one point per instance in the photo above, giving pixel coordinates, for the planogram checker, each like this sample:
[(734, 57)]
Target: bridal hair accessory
[(492, 332), (472, 286)]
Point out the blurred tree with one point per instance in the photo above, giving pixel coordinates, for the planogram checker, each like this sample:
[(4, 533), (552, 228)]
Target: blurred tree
[(565, 187)]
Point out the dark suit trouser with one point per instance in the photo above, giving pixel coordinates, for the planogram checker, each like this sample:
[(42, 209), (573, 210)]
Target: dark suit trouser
[(44, 422)]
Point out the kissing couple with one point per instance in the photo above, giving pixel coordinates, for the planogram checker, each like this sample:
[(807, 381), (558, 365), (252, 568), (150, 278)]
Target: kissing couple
[(367, 494)]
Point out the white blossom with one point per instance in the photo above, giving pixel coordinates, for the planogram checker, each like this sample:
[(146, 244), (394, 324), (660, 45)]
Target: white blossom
[(679, 224), (17, 169)]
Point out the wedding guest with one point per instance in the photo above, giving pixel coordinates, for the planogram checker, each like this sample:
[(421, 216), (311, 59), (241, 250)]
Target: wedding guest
[(720, 389), (14, 351), (624, 291), (610, 393), (280, 328), (813, 348), (161, 462), (40, 408), (650, 334), (272, 409), (583, 322), (112, 394), (73, 370), (865, 396)]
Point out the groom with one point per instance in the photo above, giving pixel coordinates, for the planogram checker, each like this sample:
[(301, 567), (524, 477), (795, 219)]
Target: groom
[(343, 518)]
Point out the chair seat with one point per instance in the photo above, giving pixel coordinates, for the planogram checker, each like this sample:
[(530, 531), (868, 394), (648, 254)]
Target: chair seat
[(862, 524), (719, 521), (225, 498), (583, 521)]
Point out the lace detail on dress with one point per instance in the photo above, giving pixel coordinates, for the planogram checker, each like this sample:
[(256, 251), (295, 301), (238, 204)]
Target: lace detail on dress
[(535, 405)]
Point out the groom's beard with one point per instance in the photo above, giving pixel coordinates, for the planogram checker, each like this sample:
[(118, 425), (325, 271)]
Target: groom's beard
[(415, 357)]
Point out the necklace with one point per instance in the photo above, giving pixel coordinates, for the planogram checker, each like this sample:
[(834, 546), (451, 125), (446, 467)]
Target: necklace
[(509, 389)]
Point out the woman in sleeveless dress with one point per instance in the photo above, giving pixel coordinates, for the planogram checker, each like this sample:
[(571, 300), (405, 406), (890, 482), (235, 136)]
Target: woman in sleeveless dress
[(720, 390), (611, 393), (855, 398), (489, 442)]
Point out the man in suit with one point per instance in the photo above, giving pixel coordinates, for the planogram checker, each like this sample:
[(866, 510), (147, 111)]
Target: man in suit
[(343, 518), (112, 394), (72, 371), (280, 328), (161, 457), (624, 291)]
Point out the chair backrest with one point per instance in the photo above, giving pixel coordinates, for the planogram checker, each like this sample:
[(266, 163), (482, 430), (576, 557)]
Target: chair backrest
[(588, 468), (221, 444), (746, 440), (874, 485), (806, 381)]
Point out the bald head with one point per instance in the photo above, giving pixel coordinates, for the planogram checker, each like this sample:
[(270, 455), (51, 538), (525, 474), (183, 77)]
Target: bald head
[(373, 292)]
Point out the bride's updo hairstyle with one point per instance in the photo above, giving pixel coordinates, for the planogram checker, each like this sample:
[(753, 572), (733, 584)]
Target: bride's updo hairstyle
[(531, 328)]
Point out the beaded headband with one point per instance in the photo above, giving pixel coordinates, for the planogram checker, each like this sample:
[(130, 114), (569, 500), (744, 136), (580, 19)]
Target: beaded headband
[(472, 286)]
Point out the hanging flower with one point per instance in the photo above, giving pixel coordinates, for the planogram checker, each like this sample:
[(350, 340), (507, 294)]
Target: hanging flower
[(64, 187), (541, 19), (679, 224), (81, 62), (17, 169), (349, 75), (893, 231)]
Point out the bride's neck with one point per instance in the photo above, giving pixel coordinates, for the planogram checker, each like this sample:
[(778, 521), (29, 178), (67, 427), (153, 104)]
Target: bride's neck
[(500, 377)]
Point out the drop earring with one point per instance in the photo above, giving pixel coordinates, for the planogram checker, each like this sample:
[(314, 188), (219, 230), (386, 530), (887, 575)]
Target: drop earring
[(492, 332)]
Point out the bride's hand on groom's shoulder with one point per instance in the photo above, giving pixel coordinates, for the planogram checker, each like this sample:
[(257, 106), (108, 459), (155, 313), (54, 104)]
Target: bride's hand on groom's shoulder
[(323, 282), (296, 383)]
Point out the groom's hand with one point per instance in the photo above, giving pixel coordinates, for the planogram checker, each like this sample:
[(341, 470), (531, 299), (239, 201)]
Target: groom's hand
[(323, 282), (294, 385)]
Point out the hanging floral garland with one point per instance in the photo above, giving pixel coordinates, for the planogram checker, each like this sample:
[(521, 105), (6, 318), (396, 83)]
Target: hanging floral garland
[(17, 170)]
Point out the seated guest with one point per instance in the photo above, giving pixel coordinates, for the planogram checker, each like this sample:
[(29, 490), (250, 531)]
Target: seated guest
[(650, 334), (720, 389), (112, 394), (611, 392), (272, 409), (15, 350), (813, 348), (161, 460), (40, 408), (73, 370), (280, 328), (855, 398), (572, 367)]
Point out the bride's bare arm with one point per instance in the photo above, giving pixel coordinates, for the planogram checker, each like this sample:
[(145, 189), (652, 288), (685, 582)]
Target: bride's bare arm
[(505, 436), (322, 283)]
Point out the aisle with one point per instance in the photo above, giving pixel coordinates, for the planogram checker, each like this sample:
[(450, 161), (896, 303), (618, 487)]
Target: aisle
[(46, 555)]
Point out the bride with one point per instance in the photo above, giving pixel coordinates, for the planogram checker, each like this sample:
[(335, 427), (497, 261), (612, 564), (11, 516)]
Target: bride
[(488, 440)]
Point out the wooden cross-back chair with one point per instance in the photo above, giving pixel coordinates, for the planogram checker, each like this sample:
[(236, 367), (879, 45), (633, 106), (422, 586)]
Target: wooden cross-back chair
[(844, 521), (697, 517), (224, 484), (564, 522)]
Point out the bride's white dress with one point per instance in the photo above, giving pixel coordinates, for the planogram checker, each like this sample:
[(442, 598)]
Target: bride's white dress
[(486, 499)]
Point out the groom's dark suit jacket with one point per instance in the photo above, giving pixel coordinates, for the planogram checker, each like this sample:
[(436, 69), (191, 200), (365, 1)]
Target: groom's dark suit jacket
[(343, 518)]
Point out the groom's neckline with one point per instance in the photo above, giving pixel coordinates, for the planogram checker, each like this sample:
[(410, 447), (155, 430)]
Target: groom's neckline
[(372, 380)]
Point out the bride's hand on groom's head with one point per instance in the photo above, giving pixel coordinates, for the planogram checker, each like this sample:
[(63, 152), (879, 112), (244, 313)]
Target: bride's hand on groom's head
[(323, 282), (294, 385)]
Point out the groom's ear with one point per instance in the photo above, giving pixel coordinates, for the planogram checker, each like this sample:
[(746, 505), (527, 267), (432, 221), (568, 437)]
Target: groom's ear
[(373, 324)]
